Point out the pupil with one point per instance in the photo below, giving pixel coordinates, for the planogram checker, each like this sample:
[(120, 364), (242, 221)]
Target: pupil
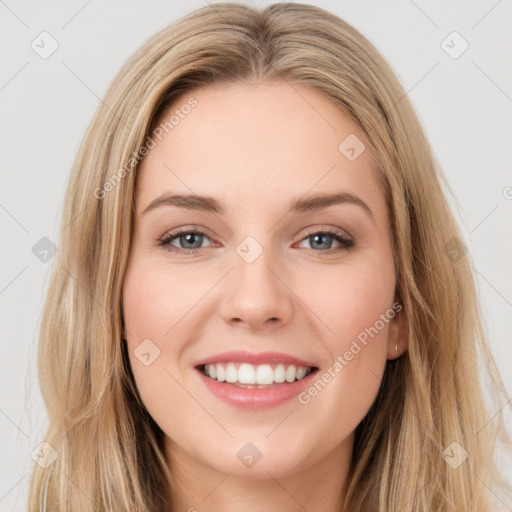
[(315, 237), (190, 238)]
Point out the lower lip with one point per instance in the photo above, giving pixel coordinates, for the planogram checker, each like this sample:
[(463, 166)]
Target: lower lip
[(253, 398)]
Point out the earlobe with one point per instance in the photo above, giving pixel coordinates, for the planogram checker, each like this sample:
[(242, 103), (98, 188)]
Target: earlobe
[(398, 335)]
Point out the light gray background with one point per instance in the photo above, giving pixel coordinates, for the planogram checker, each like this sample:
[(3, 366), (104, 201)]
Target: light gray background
[(465, 105)]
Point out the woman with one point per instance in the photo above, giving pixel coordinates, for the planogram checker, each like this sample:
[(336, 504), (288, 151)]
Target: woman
[(261, 300)]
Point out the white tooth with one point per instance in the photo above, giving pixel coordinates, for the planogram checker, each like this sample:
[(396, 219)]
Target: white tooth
[(231, 373), (249, 374), (290, 373), (246, 374), (221, 374), (264, 374), (279, 373), (301, 372)]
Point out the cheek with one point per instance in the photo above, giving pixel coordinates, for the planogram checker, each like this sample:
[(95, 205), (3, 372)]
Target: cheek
[(155, 299), (357, 307), (354, 304), (159, 318)]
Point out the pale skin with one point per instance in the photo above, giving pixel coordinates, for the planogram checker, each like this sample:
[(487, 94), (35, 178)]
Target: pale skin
[(254, 148)]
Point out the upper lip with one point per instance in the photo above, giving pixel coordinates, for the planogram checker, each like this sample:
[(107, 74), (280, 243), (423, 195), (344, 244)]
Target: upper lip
[(254, 358)]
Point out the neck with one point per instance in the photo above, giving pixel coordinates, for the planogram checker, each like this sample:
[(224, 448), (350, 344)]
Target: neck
[(198, 487)]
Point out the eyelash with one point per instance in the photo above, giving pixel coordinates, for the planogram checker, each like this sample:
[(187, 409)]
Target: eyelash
[(165, 241)]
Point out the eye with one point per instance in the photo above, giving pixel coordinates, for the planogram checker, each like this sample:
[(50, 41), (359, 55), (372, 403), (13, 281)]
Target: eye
[(321, 241), (188, 241)]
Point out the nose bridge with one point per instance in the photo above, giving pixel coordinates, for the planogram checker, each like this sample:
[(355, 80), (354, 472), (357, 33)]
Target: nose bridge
[(253, 264), (256, 294)]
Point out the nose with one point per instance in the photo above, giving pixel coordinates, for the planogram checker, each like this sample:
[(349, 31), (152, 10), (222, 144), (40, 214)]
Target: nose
[(257, 296)]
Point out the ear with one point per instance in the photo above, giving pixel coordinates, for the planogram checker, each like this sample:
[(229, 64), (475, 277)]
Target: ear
[(398, 333)]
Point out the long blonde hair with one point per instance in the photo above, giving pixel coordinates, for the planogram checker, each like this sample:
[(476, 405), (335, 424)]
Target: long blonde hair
[(109, 450)]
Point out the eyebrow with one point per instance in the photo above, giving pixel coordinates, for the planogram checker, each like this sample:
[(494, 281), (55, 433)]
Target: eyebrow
[(297, 205)]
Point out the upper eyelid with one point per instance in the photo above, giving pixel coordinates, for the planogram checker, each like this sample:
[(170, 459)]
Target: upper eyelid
[(329, 229)]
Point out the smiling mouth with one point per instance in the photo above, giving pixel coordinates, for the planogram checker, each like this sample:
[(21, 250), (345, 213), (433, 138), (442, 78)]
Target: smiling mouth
[(252, 376)]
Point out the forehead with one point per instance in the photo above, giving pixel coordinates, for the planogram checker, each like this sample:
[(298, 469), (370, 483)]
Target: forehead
[(256, 143)]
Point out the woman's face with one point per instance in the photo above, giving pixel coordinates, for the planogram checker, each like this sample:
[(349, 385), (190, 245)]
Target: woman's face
[(278, 249)]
